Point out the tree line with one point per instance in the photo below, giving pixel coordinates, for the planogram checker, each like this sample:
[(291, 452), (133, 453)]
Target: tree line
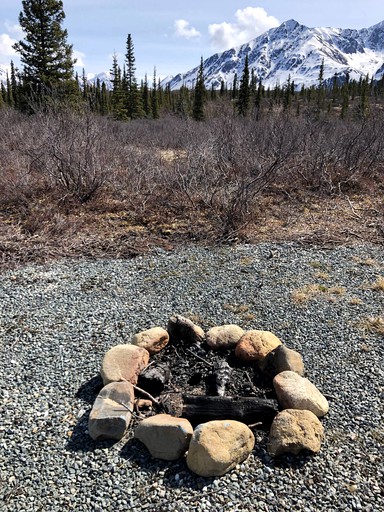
[(47, 76)]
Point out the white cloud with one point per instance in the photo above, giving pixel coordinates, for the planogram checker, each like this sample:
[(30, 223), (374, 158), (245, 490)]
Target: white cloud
[(183, 29), (250, 23), (14, 29), (6, 43), (79, 56)]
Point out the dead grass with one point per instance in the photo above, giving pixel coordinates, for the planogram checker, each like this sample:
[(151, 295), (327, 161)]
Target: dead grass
[(311, 291), (378, 285), (373, 324), (42, 230)]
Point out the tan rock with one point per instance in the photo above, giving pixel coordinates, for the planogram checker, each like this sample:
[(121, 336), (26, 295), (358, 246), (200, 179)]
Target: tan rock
[(217, 446), (165, 436), (296, 392), (181, 328), (123, 362), (282, 359), (224, 336), (153, 340), (254, 345), (109, 419), (294, 430)]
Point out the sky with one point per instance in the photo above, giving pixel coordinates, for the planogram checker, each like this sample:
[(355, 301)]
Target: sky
[(173, 35)]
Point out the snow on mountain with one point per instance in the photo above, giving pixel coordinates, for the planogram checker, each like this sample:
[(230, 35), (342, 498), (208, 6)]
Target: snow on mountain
[(296, 51), (102, 77)]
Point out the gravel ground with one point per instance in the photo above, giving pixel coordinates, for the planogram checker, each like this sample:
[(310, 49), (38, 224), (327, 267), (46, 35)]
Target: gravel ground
[(58, 320)]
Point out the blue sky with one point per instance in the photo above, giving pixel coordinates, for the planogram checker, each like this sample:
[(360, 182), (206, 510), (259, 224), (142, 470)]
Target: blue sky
[(173, 34)]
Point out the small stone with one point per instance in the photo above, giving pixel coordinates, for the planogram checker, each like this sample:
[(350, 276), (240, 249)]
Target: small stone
[(224, 336), (153, 340), (123, 362), (293, 431), (296, 392), (165, 436), (109, 419), (254, 345), (181, 328), (282, 359), (218, 446)]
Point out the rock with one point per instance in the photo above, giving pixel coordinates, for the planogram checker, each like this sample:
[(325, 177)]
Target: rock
[(181, 328), (154, 378), (123, 362), (165, 436), (217, 446), (153, 340), (294, 430), (108, 418), (281, 359), (296, 392), (254, 345), (224, 336)]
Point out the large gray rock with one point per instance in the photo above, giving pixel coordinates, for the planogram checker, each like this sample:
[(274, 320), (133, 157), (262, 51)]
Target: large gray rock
[(123, 362), (224, 336), (254, 345), (296, 392), (181, 328), (217, 446), (282, 359), (153, 340), (165, 436), (294, 430), (109, 419)]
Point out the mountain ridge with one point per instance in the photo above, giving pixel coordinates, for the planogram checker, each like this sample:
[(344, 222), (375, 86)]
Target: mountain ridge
[(296, 51)]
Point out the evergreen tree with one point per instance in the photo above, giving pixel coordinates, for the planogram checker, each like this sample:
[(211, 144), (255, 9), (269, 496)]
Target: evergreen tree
[(222, 88), (145, 97), (118, 96), (234, 87), (199, 98), (320, 87), (244, 91), (154, 97), (44, 52), (182, 107), (3, 92), (10, 99), (134, 103), (287, 95), (14, 86)]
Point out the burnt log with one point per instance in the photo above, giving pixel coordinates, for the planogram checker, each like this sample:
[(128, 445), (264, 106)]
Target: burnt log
[(250, 410)]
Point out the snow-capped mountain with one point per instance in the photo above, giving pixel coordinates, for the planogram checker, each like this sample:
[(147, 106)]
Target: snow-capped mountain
[(295, 51), (102, 77)]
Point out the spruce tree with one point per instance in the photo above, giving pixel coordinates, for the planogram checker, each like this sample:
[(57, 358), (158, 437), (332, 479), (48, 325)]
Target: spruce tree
[(134, 103), (244, 91), (117, 96), (44, 52), (198, 101), (154, 97), (145, 96)]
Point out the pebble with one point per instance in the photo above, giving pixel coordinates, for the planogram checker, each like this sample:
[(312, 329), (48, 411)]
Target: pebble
[(58, 320)]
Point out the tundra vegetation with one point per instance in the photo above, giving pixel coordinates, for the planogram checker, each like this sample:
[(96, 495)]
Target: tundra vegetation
[(91, 171)]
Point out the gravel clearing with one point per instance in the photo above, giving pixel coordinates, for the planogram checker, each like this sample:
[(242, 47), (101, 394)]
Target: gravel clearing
[(58, 320)]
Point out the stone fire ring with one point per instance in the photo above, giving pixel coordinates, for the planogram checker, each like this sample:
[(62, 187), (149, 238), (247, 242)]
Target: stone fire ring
[(217, 444)]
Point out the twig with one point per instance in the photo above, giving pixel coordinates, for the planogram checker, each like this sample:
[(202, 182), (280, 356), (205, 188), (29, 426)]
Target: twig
[(147, 395), (258, 424), (352, 208), (198, 357), (130, 410)]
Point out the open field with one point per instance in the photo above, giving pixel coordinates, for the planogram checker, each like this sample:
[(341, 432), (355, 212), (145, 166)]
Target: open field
[(73, 184)]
